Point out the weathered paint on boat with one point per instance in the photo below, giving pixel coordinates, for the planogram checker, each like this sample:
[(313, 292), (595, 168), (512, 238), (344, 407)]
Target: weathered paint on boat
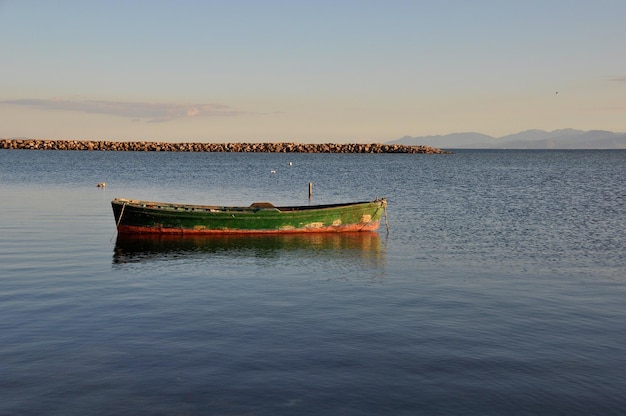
[(133, 216)]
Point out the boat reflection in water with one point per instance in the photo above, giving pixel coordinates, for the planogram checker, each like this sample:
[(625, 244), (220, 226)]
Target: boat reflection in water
[(362, 246)]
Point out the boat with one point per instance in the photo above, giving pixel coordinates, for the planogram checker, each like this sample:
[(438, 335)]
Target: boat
[(148, 217)]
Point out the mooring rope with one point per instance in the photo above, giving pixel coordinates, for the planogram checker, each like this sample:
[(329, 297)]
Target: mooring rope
[(118, 220), (121, 213)]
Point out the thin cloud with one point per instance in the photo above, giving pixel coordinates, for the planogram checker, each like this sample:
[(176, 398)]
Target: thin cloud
[(618, 79), (151, 112)]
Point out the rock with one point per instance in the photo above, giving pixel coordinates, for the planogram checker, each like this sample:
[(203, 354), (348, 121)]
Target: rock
[(279, 147)]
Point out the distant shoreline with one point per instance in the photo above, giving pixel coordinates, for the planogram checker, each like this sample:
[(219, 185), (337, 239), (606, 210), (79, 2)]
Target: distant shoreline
[(278, 147)]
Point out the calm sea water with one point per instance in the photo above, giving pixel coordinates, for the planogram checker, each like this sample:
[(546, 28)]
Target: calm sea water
[(499, 288)]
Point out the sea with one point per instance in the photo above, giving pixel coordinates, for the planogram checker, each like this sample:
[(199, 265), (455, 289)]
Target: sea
[(496, 285)]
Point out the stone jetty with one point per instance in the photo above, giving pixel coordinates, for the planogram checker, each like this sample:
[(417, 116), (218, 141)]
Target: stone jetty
[(279, 147)]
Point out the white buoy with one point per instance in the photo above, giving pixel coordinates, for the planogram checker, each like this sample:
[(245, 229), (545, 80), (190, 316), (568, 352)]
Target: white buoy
[(272, 171), (290, 163)]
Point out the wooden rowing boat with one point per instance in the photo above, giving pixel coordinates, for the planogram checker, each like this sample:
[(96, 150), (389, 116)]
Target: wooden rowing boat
[(140, 217)]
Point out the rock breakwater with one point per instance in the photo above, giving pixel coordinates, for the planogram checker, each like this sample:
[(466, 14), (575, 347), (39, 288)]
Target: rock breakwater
[(279, 147)]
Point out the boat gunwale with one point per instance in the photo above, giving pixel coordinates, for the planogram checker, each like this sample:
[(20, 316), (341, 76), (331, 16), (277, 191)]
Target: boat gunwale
[(169, 206)]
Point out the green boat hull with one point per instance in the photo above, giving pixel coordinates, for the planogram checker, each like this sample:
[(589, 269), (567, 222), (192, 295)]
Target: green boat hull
[(143, 217)]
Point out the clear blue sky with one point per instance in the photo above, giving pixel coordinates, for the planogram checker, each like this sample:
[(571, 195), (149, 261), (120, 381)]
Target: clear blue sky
[(308, 71)]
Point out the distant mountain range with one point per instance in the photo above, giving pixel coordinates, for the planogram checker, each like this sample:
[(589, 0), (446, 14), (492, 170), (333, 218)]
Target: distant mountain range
[(529, 139)]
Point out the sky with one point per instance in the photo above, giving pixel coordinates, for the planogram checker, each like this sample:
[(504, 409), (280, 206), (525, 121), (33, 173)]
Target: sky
[(308, 71)]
